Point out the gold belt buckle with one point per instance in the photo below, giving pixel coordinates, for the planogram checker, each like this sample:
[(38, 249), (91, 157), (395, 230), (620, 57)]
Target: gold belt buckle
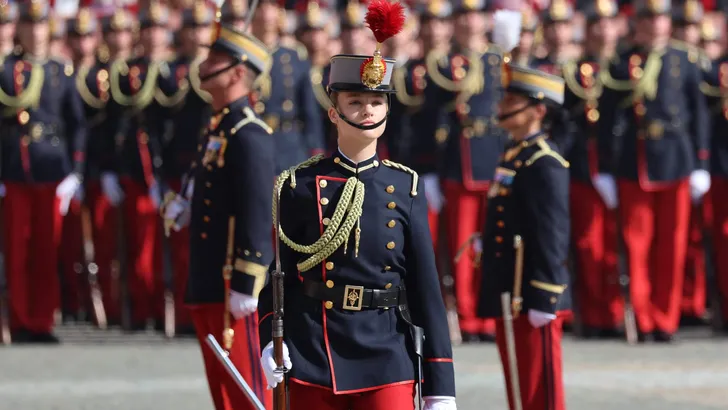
[(353, 297)]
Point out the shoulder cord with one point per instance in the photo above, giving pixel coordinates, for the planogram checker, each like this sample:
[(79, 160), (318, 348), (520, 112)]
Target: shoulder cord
[(31, 95)]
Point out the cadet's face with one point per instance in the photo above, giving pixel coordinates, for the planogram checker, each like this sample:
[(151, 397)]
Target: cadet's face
[(525, 43), (656, 26), (214, 62), (83, 45), (606, 30), (357, 41), (34, 36), (315, 39), (202, 35), (474, 23), (7, 31), (360, 108), (515, 103), (119, 40), (689, 34), (267, 18), (559, 33), (154, 37), (437, 31)]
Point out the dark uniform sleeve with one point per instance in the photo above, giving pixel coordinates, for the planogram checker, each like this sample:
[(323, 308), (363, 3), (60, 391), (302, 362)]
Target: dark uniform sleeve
[(75, 122), (545, 217), (426, 304), (250, 158), (699, 117), (313, 130)]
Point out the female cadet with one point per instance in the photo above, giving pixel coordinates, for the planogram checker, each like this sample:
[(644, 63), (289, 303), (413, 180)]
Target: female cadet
[(357, 253), (526, 238)]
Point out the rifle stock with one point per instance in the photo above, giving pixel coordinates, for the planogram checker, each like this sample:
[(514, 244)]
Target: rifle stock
[(280, 399), (5, 336), (92, 269)]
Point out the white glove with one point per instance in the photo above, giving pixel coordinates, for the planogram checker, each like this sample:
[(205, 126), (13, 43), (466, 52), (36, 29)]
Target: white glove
[(439, 403), (179, 211), (269, 364), (66, 190), (606, 186), (539, 319), (190, 189), (699, 184), (2, 190), (242, 305), (111, 188), (155, 195), (435, 198), (478, 245)]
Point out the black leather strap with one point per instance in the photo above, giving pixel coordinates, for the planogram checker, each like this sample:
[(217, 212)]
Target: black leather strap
[(370, 298)]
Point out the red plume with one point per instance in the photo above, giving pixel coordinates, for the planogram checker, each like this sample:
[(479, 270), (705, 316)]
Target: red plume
[(385, 19)]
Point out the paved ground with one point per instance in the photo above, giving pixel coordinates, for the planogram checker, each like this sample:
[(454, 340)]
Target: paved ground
[(145, 373)]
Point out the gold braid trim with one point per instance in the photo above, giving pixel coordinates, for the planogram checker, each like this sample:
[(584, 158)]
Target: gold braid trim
[(570, 72), (403, 168), (250, 118), (346, 216), (88, 97), (317, 76), (194, 75), (144, 96), (710, 90), (175, 99), (433, 69), (400, 88), (546, 151), (31, 95)]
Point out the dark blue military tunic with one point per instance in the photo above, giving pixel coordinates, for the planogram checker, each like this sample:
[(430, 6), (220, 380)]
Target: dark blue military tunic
[(660, 126), (715, 87), (233, 177), (547, 64), (529, 198), (347, 350), (475, 140), (43, 124), (285, 101)]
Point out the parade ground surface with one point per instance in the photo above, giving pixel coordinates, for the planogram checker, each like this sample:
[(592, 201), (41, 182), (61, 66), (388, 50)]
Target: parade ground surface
[(110, 371)]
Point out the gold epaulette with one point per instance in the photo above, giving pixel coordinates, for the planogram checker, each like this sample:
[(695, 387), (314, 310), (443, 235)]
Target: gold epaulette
[(316, 74), (710, 90), (290, 173), (433, 63), (301, 51), (195, 81), (404, 168), (571, 71), (86, 95), (250, 118), (696, 55), (400, 87), (544, 151), (605, 77)]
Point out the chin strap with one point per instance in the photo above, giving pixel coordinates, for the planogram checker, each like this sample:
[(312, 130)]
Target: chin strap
[(218, 72), (504, 117), (366, 127)]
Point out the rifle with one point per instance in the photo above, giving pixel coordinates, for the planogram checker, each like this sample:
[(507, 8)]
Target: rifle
[(506, 306), (222, 356), (277, 277), (92, 269), (5, 337)]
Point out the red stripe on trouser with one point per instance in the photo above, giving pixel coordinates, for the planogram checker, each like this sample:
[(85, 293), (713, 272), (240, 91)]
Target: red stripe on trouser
[(32, 233), (538, 353), (180, 245), (719, 196), (694, 297), (397, 397), (594, 238), (465, 215), (70, 255), (245, 355), (104, 219), (654, 226), (141, 226)]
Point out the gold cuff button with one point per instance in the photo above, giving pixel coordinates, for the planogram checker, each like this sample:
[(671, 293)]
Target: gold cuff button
[(203, 235), (207, 202), (387, 268), (323, 183), (389, 285), (329, 304), (329, 265), (392, 223), (499, 208), (208, 184), (324, 201), (326, 221), (390, 245), (553, 300), (206, 218), (329, 284), (390, 189), (499, 239), (500, 224), (391, 205)]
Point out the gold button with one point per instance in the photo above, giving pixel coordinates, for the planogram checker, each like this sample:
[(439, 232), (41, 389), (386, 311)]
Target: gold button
[(287, 105), (258, 254), (517, 163), (208, 184), (323, 183), (23, 117), (375, 163), (337, 160), (499, 239), (499, 208), (324, 201), (329, 284), (387, 268), (207, 202), (391, 223), (390, 245), (389, 285), (326, 221), (247, 252), (329, 265), (203, 235), (391, 205), (209, 167), (500, 224), (553, 300), (635, 59), (206, 218), (329, 304), (390, 189)]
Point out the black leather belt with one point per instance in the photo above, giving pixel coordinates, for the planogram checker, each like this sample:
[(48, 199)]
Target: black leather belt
[(355, 298)]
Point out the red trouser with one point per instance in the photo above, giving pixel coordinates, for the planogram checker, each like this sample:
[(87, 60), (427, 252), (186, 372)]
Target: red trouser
[(434, 219), (142, 229), (244, 353), (719, 199), (655, 230), (32, 233), (392, 397), (465, 215), (104, 220), (594, 238), (694, 288), (538, 353), (180, 245), (70, 255)]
